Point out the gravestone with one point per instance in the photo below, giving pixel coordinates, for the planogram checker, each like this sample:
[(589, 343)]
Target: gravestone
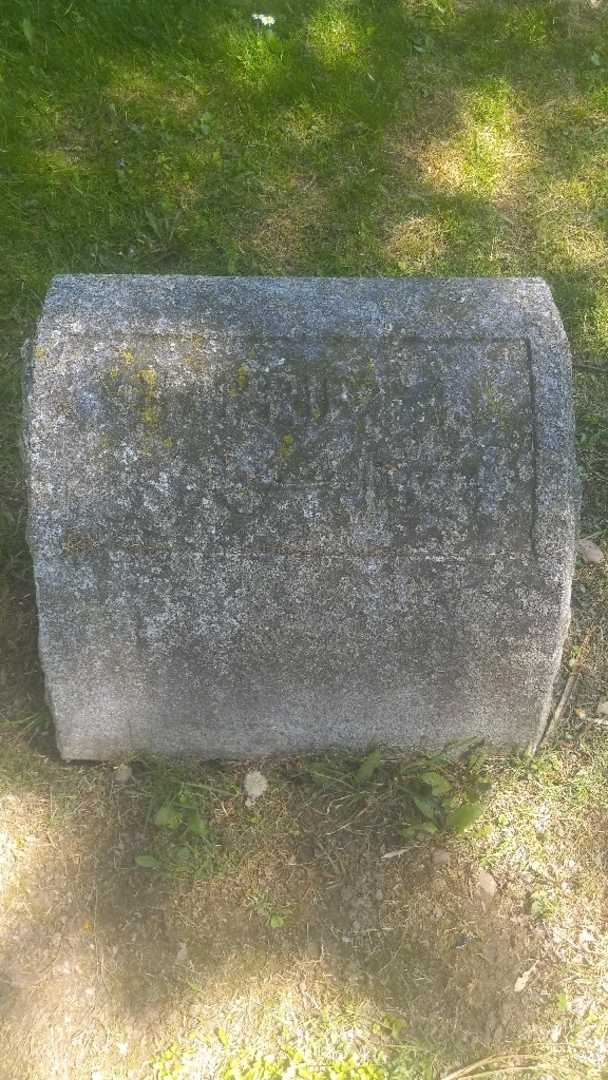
[(276, 515)]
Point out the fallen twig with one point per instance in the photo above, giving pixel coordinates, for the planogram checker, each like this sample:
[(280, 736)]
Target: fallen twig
[(567, 691), (501, 1070), (396, 852), (597, 369), (523, 1062)]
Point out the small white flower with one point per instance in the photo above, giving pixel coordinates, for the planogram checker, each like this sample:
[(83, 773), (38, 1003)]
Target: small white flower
[(264, 20)]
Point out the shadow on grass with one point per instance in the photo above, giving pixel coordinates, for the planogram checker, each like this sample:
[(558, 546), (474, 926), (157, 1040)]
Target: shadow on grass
[(295, 916)]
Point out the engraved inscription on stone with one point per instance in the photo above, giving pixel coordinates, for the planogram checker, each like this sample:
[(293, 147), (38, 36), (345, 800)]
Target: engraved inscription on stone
[(324, 445)]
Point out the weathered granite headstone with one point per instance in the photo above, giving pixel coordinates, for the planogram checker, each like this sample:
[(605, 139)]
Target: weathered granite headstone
[(270, 516)]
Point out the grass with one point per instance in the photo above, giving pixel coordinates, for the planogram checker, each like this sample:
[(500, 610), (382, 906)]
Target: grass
[(357, 137)]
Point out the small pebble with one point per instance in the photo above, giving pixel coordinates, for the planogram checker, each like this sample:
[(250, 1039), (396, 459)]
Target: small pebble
[(440, 857), (463, 940), (589, 552), (486, 883), (255, 785), (123, 773)]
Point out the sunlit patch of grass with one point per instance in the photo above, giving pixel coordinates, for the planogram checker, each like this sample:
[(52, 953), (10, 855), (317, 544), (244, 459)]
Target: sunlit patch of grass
[(486, 155), (544, 817), (344, 1041), (335, 36), (8, 859)]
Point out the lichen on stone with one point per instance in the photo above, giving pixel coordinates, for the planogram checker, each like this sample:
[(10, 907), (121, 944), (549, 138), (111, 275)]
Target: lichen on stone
[(240, 382), (141, 405), (287, 447)]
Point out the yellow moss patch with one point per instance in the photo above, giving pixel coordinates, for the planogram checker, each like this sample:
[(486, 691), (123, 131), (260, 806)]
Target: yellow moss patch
[(148, 376)]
